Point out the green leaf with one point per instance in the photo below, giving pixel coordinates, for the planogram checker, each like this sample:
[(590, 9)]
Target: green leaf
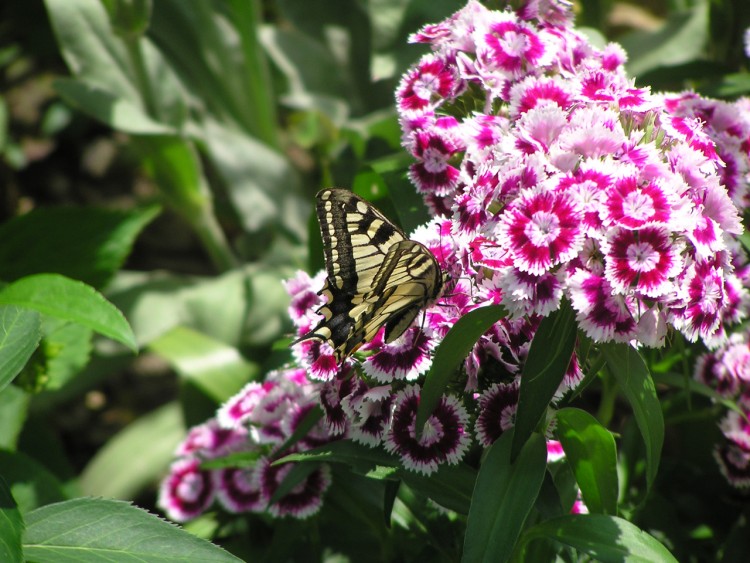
[(242, 307), (14, 406), (604, 538), (632, 375), (108, 107), (590, 449), (117, 473), (450, 486), (31, 483), (67, 349), (128, 78), (11, 527), (85, 529), (503, 496), (298, 473), (220, 61), (91, 252), (20, 331), (453, 349), (313, 416), (548, 360), (262, 184), (682, 39), (63, 298), (218, 370)]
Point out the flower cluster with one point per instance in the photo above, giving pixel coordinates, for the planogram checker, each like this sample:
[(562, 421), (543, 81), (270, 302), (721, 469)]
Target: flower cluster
[(255, 422), (549, 176), (568, 181)]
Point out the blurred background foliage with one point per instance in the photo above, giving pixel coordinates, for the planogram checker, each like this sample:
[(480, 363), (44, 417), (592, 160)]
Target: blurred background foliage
[(168, 152)]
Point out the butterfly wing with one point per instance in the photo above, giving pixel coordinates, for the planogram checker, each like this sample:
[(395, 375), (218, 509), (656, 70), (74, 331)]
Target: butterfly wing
[(356, 239), (375, 277)]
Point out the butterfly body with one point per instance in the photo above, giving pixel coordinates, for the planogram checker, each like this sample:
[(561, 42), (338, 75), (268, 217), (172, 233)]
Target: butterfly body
[(376, 275)]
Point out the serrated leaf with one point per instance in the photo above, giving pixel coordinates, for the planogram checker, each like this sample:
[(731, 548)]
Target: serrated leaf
[(548, 359), (503, 496), (20, 331), (605, 538), (98, 530), (218, 370), (453, 349), (70, 300), (11, 527), (633, 378), (590, 449), (91, 252), (117, 473)]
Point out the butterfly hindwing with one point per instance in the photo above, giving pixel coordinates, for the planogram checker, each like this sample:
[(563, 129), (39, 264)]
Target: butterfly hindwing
[(376, 276)]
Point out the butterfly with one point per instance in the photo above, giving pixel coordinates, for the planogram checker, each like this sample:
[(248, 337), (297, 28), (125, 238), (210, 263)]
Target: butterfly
[(376, 275)]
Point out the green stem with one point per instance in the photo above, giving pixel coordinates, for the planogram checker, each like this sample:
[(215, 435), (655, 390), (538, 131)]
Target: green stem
[(607, 403), (214, 241), (261, 107), (135, 52)]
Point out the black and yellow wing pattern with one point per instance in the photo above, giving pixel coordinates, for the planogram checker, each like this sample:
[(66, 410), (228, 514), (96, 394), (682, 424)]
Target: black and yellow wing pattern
[(376, 275)]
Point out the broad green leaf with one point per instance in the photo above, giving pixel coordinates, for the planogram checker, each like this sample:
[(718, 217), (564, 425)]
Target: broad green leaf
[(116, 470), (503, 496), (604, 538), (590, 449), (67, 348), (108, 107), (262, 185), (11, 527), (93, 530), (14, 406), (548, 360), (218, 56), (31, 483), (91, 252), (20, 331), (217, 369), (450, 486), (633, 378), (453, 350), (682, 39), (70, 300), (242, 307), (124, 77)]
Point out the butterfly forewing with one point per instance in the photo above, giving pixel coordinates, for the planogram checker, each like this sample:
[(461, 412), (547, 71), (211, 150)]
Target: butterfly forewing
[(376, 276), (356, 238)]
